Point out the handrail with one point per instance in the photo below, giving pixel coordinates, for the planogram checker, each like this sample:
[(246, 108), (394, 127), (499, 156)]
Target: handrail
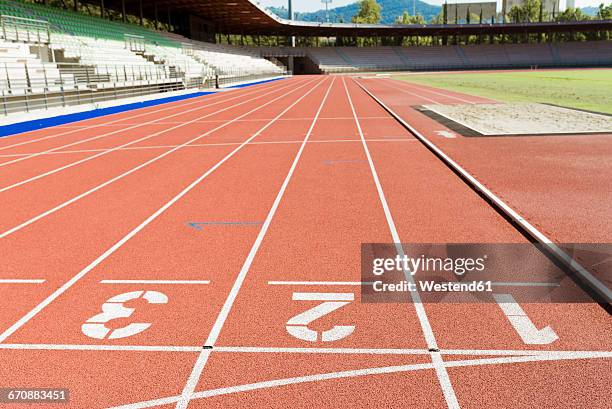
[(25, 29)]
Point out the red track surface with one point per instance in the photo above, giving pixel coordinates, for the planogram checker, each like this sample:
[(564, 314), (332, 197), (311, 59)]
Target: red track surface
[(271, 195)]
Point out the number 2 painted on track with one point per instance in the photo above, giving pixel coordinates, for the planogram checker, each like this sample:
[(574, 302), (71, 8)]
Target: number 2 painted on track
[(113, 308), (298, 325)]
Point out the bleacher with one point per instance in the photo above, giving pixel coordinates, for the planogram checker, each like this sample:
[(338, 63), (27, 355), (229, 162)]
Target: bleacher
[(79, 24), (477, 56), (47, 50), (225, 61), (330, 60), (373, 57), (22, 72)]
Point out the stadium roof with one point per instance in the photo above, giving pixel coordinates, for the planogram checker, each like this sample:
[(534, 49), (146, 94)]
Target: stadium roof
[(247, 17)]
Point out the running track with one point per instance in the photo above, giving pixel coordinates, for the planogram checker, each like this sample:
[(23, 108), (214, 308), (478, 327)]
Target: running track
[(204, 218)]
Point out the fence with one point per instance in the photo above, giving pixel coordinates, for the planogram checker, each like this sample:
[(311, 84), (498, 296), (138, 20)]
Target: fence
[(78, 96), (136, 44), (26, 88), (24, 29)]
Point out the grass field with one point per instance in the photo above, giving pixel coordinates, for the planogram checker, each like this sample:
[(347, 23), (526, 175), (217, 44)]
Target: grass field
[(582, 89)]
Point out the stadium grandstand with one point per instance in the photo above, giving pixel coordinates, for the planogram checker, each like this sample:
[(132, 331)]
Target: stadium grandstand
[(55, 56)]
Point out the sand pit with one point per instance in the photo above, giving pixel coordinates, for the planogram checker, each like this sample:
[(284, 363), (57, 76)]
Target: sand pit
[(523, 119)]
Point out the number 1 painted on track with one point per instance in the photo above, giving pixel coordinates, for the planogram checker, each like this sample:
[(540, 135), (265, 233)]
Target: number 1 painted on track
[(523, 325)]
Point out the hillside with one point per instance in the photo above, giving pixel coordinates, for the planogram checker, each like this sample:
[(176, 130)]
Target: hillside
[(391, 9), (590, 11)]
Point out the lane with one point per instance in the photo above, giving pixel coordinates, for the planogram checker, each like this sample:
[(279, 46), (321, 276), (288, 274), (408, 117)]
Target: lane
[(315, 249), (122, 117), (76, 183), (20, 168), (430, 217), (167, 247), (69, 239)]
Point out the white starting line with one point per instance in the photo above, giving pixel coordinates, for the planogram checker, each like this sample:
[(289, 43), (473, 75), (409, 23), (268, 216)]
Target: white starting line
[(21, 281), (192, 282), (357, 283)]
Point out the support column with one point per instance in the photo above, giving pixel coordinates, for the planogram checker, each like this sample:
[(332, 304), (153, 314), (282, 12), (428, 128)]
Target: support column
[(290, 64), (76, 5), (141, 16), (102, 9), (291, 17), (156, 16), (123, 16)]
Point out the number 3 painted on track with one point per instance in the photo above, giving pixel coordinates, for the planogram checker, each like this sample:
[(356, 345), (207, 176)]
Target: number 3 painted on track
[(113, 308), (298, 325)]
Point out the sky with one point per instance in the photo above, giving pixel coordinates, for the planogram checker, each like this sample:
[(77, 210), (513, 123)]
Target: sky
[(314, 5)]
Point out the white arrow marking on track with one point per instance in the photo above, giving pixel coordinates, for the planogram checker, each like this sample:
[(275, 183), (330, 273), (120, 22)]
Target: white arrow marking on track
[(447, 134)]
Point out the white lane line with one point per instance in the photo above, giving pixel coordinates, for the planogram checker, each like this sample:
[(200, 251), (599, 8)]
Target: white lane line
[(243, 120), (314, 350), (116, 148), (31, 314), (409, 351), (187, 282), (129, 172), (443, 378), (602, 290), (357, 351), (157, 110), (277, 383), (344, 374), (323, 297), (154, 121), (199, 145), (529, 352), (316, 283), (229, 301), (85, 347), (21, 281)]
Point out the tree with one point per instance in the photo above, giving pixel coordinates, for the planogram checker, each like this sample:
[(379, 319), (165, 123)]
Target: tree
[(339, 39), (604, 12), (528, 12), (369, 13), (445, 13), (571, 15), (403, 19)]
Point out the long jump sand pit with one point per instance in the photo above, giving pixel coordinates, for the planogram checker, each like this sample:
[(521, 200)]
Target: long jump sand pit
[(522, 119)]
